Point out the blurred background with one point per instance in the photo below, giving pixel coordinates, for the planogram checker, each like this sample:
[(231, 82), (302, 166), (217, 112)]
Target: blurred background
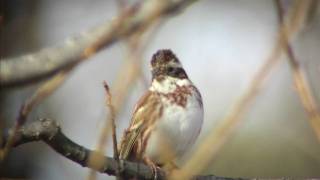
[(221, 44)]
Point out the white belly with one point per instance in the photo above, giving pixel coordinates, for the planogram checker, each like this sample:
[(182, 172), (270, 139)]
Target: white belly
[(176, 132)]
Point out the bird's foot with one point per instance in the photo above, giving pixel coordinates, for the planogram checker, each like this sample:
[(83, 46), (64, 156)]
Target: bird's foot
[(153, 166)]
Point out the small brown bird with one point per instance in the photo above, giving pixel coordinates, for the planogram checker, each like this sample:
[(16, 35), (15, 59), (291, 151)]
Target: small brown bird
[(168, 117)]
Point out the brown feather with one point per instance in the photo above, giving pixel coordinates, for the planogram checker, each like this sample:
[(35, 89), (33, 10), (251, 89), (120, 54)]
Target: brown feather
[(144, 116)]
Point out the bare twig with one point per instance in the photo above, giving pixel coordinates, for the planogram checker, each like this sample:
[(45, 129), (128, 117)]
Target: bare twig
[(312, 13), (110, 123), (49, 61), (223, 131), (49, 131), (41, 93), (125, 79), (113, 125), (301, 81)]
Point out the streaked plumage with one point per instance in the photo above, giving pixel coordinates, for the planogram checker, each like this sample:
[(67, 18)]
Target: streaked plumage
[(168, 117)]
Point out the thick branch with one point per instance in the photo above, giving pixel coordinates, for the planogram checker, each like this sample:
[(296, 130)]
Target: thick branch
[(48, 61), (49, 131)]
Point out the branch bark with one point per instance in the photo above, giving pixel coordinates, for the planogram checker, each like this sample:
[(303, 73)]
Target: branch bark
[(49, 131), (48, 61)]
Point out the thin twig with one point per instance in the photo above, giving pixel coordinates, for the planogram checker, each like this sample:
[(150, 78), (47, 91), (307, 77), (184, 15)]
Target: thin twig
[(301, 81), (113, 124), (124, 81), (39, 95), (133, 42), (211, 145)]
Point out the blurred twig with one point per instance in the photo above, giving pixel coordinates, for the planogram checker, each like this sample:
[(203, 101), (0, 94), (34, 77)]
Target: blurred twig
[(49, 131), (121, 5), (210, 146), (300, 80), (42, 64), (312, 13), (39, 95)]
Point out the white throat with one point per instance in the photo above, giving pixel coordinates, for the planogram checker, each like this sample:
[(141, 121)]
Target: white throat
[(168, 85)]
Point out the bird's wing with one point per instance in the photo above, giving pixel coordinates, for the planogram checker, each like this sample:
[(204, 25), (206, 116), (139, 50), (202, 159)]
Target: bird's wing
[(146, 111)]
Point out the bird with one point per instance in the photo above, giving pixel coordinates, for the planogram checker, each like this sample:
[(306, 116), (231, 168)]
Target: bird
[(167, 119)]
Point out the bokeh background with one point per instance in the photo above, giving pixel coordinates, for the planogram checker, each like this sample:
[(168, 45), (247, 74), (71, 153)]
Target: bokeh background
[(221, 44)]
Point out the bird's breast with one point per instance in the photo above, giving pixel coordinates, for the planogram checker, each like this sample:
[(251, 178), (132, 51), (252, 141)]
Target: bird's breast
[(179, 125)]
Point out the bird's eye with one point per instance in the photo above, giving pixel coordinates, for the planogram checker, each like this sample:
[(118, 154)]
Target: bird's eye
[(170, 69)]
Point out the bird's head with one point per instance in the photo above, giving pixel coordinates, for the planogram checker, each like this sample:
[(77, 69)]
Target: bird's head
[(164, 63)]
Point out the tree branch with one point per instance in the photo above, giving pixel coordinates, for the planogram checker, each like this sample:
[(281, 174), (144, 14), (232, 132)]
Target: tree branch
[(300, 80), (46, 62), (49, 131)]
